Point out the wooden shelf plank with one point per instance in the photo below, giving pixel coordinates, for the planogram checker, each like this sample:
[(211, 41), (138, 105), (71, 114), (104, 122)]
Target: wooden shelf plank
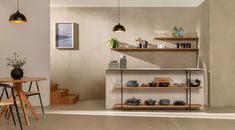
[(155, 49), (157, 107), (177, 38), (155, 88)]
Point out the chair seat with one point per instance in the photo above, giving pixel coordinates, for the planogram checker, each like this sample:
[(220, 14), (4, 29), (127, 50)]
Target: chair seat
[(6, 102), (32, 93)]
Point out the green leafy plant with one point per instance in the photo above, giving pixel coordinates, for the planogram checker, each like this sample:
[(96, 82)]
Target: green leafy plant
[(175, 32), (15, 61), (113, 42)]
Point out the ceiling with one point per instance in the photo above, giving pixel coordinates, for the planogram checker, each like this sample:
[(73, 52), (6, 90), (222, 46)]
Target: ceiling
[(126, 3)]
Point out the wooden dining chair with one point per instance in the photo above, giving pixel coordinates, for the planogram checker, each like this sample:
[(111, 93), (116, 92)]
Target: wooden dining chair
[(30, 93), (9, 102)]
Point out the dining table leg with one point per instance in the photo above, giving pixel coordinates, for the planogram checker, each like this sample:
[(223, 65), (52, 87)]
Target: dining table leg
[(18, 86), (25, 102)]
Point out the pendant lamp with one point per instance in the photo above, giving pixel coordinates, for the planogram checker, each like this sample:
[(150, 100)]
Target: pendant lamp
[(119, 27), (17, 17)]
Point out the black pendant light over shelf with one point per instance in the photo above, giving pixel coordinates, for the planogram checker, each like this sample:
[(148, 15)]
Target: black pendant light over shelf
[(17, 17), (119, 27)]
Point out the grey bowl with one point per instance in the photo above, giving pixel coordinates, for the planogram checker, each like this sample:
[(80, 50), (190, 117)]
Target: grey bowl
[(164, 102)]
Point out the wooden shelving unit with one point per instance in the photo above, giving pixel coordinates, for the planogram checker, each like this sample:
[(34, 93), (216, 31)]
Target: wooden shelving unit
[(155, 49), (187, 90), (177, 38), (157, 107), (157, 88)]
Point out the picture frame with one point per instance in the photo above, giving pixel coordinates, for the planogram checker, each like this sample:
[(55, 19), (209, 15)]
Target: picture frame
[(66, 35)]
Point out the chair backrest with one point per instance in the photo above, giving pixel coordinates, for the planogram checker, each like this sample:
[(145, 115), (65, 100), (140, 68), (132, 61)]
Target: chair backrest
[(6, 101), (3, 90), (1, 93)]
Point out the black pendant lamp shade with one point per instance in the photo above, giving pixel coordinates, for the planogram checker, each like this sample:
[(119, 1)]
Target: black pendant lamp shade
[(17, 17), (119, 27)]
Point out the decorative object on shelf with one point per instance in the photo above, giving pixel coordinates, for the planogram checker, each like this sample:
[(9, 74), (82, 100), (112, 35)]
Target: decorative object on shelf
[(140, 45), (153, 84), (164, 102), (144, 85), (177, 45), (164, 81), (188, 45), (178, 32), (133, 101), (113, 42), (123, 62), (150, 102), (161, 46), (17, 17), (114, 65), (162, 32), (175, 32), (179, 103), (163, 84), (183, 45), (181, 32), (179, 85), (132, 83), (66, 35), (119, 27), (139, 42), (195, 83), (17, 63), (145, 44)]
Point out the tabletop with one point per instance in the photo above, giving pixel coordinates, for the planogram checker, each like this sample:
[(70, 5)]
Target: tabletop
[(22, 80)]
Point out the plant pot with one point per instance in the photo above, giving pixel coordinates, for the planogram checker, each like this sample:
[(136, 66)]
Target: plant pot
[(17, 73)]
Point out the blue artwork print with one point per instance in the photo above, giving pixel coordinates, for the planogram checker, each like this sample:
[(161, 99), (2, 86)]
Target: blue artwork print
[(64, 35)]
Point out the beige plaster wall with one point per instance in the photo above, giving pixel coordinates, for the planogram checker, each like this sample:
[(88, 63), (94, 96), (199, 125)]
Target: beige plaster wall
[(30, 40), (84, 70), (203, 30), (222, 46)]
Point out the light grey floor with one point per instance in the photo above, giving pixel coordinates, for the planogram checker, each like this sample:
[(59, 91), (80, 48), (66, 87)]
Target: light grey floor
[(100, 122), (99, 105), (79, 122)]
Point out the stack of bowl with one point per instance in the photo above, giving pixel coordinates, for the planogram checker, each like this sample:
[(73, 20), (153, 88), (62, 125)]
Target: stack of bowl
[(132, 83)]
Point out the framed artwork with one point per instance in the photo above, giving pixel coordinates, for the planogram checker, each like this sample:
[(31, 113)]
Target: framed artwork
[(66, 36)]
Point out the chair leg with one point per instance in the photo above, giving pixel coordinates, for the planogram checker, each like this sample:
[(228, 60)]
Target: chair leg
[(12, 114), (40, 98), (17, 111), (7, 113), (9, 109), (41, 104)]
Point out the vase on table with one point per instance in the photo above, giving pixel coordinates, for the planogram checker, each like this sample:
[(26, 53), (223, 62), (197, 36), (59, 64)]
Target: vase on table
[(17, 73)]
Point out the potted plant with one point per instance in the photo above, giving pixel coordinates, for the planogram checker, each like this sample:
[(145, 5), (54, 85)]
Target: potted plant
[(113, 42), (17, 64)]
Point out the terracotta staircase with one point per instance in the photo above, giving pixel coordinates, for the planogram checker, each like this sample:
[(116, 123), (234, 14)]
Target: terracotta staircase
[(60, 96)]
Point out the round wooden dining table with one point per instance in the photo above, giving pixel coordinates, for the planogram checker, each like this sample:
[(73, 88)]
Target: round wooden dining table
[(18, 90)]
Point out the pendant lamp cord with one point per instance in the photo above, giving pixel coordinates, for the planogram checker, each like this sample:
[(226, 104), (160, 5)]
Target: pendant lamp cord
[(17, 5), (118, 11)]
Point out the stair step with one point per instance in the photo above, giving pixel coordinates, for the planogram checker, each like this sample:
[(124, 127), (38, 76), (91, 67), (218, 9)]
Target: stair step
[(63, 92), (53, 87), (57, 95), (70, 99)]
